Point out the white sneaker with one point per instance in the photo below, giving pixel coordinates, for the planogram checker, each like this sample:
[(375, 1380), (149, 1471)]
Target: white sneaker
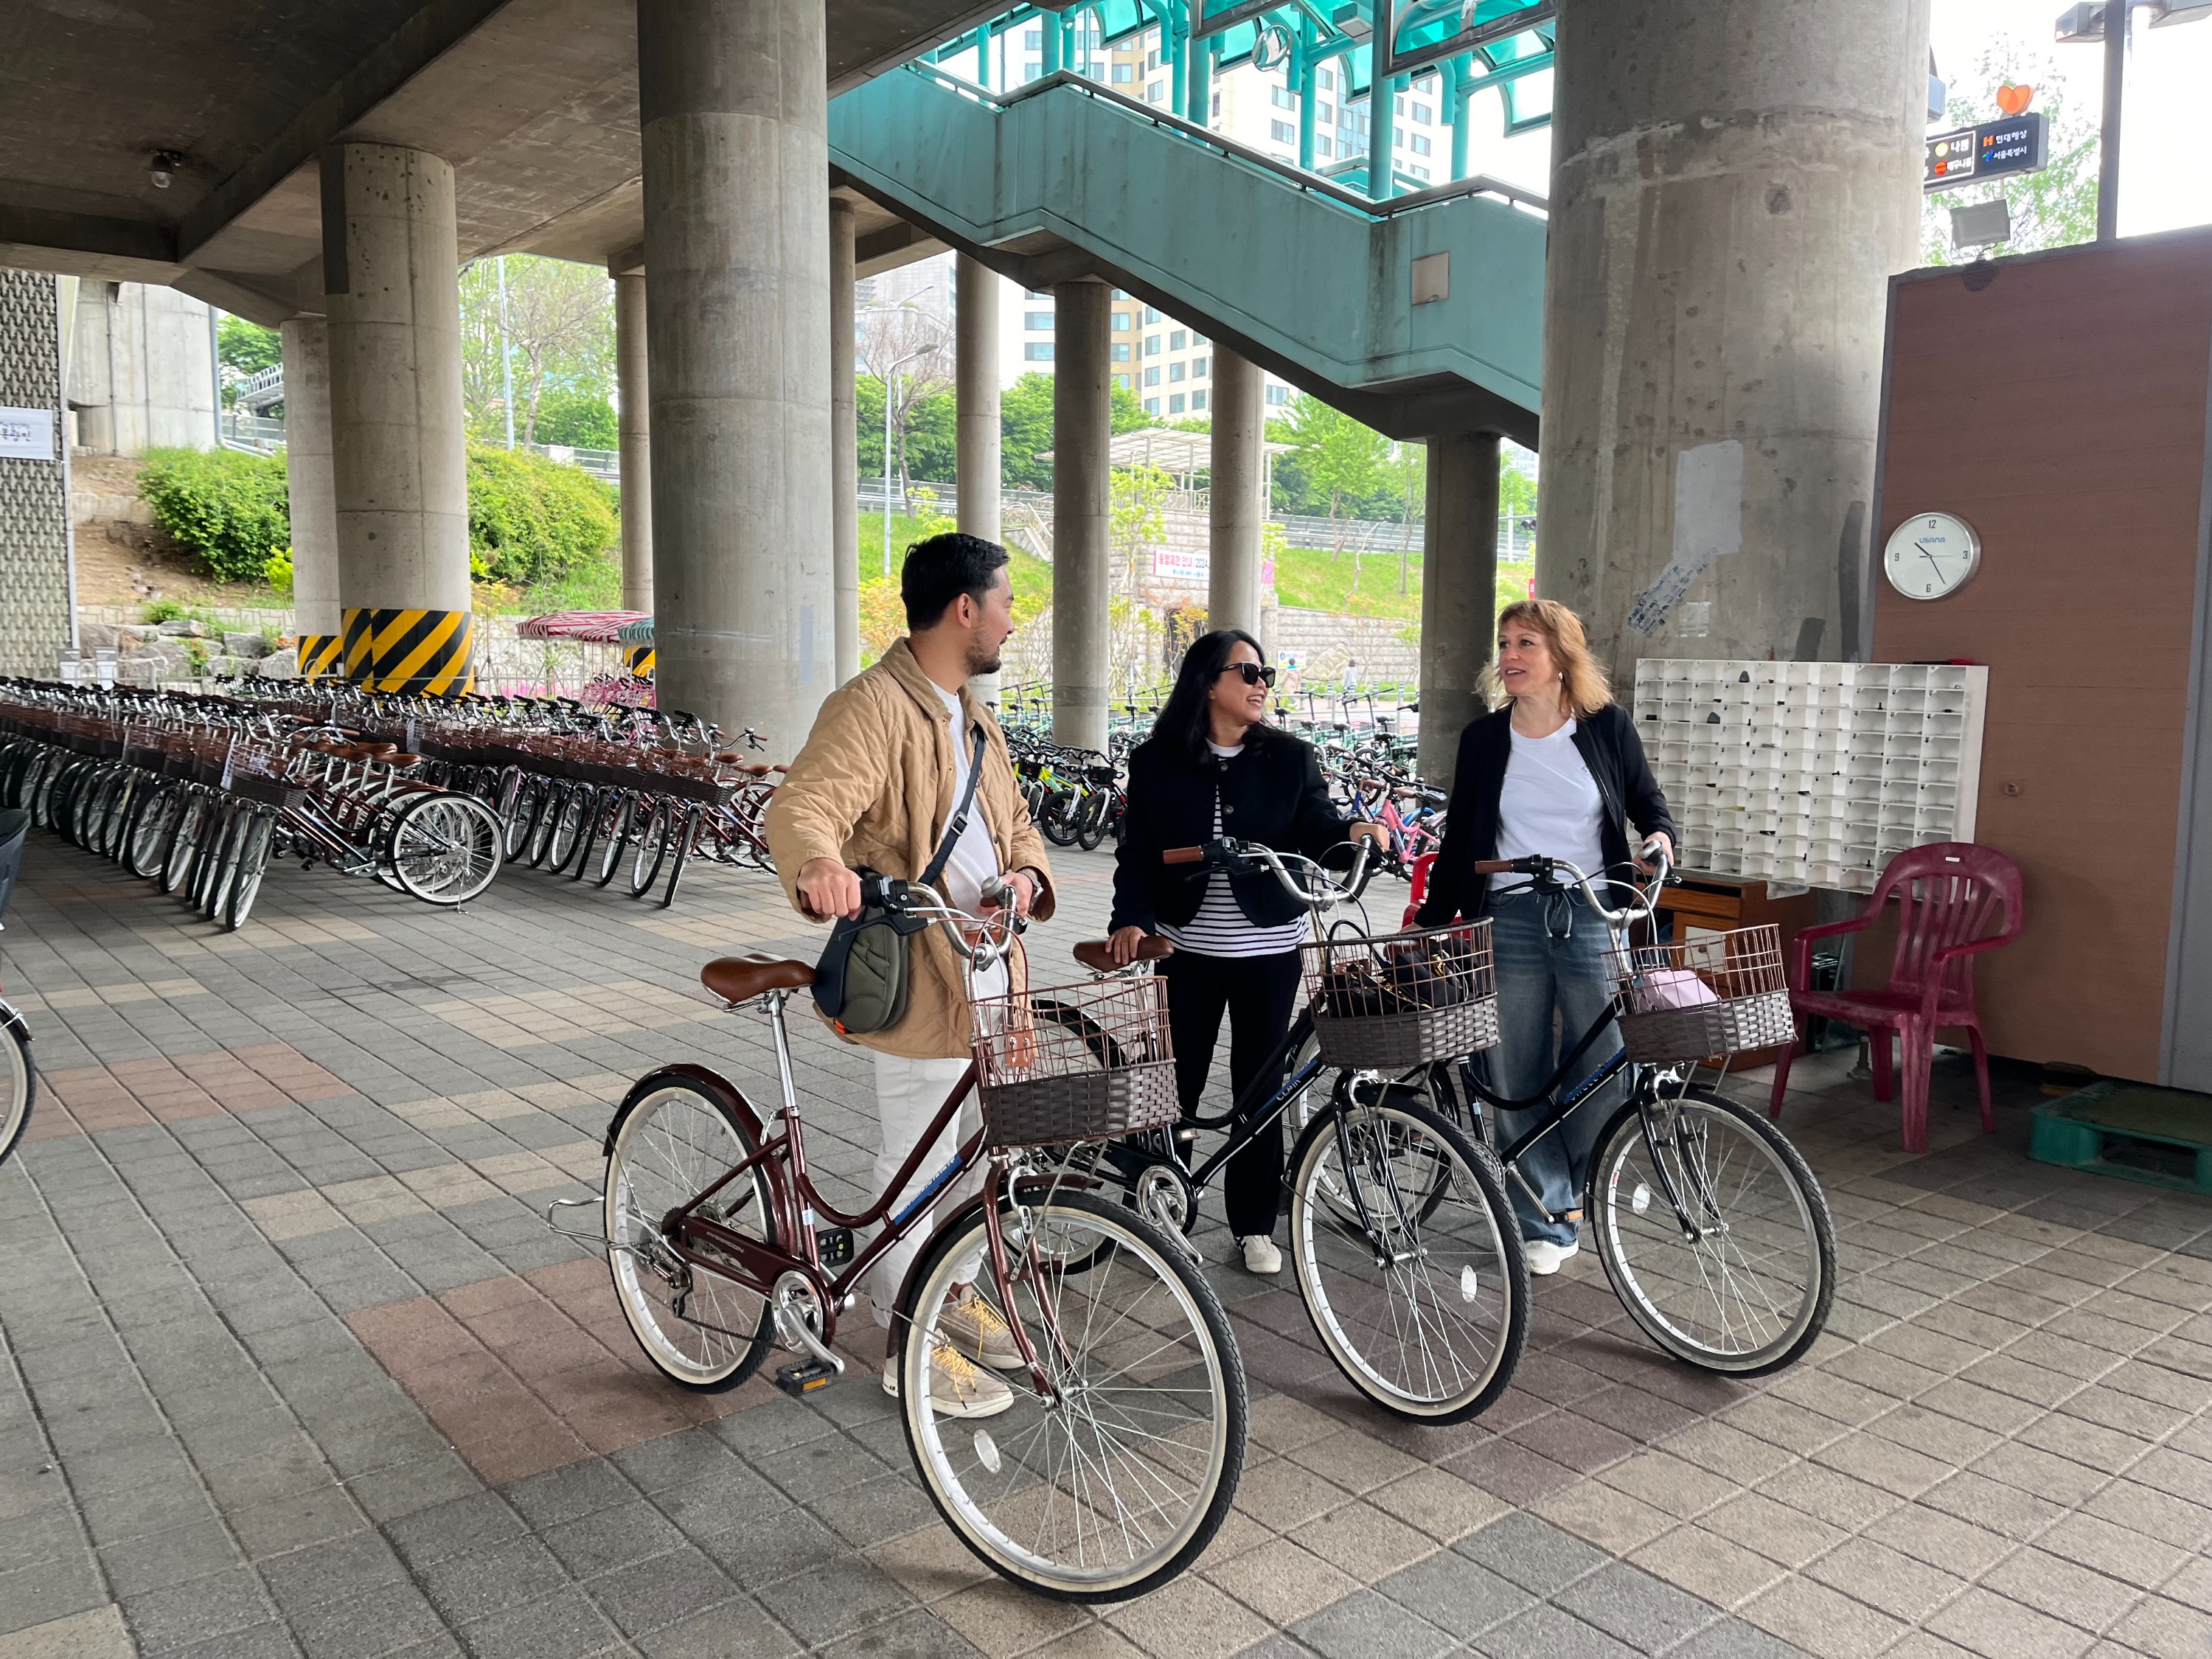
[(958, 1385), (976, 1328), (1260, 1256), (1544, 1257)]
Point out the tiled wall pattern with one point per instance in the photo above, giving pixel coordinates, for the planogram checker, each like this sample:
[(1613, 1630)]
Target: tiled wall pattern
[(34, 575), (1817, 773)]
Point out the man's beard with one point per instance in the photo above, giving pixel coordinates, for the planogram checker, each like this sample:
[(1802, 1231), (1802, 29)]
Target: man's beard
[(978, 663)]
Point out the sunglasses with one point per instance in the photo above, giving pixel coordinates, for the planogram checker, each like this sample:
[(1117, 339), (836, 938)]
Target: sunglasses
[(1252, 672)]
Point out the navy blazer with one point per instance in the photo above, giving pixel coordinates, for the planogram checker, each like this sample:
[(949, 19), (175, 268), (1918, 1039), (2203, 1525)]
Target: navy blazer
[(1608, 745)]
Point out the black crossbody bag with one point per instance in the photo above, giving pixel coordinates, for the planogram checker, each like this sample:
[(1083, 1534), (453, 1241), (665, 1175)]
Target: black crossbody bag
[(865, 973)]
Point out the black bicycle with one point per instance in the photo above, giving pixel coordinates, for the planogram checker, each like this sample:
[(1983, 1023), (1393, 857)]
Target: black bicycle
[(1403, 1244), (1710, 1226)]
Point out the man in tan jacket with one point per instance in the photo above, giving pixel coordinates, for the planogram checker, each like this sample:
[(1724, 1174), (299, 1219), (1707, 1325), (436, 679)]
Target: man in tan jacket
[(874, 787)]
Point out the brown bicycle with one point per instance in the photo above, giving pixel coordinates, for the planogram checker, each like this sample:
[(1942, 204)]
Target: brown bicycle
[(1118, 1457)]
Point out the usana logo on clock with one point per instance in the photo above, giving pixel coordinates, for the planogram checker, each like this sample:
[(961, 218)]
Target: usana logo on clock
[(1932, 555)]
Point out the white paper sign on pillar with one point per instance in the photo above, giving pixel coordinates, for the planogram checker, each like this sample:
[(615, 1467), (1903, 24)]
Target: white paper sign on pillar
[(27, 434)]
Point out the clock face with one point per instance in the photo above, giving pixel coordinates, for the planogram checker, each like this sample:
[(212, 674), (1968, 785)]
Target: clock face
[(1932, 555)]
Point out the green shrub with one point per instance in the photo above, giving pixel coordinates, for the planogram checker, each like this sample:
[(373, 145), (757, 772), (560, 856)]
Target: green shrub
[(531, 520), (225, 507)]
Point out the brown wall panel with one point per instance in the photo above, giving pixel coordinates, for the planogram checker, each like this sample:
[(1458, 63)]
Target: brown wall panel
[(2061, 411)]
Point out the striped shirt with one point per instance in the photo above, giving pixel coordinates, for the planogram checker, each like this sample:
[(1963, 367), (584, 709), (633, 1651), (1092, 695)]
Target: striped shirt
[(1221, 928)]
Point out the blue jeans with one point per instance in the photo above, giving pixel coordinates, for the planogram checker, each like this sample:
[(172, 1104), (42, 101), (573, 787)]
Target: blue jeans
[(1551, 983)]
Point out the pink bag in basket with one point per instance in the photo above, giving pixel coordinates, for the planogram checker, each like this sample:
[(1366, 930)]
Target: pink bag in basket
[(1672, 987)]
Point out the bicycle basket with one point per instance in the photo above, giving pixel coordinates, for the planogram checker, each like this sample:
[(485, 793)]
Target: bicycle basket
[(1717, 993), (1075, 1062), (1403, 998)]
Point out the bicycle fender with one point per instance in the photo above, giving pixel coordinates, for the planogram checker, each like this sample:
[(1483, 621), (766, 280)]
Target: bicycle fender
[(13, 1020), (699, 1077)]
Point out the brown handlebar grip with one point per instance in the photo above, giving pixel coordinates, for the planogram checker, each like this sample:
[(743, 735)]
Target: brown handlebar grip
[(1184, 855), (1493, 866), (1098, 954)]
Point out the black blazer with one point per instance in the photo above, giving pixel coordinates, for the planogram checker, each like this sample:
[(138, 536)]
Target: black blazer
[(1271, 792), (1608, 745)]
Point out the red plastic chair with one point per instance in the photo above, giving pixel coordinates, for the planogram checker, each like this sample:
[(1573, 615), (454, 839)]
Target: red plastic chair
[(1955, 900)]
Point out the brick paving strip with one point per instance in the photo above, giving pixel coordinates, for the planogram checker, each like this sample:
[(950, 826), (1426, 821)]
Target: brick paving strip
[(293, 1365)]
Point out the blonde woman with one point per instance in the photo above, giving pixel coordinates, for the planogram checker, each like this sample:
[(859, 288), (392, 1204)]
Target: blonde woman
[(1559, 771)]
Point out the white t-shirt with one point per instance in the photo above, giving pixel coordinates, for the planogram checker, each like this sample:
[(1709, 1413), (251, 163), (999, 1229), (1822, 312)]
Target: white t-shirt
[(1549, 806), (974, 860)]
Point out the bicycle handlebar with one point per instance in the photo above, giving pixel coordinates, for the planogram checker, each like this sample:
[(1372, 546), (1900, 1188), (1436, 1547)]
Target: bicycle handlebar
[(1548, 871), (1317, 890)]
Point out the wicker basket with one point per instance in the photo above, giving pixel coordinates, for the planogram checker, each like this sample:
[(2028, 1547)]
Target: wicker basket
[(1719, 993), (1403, 999), (1078, 1062)]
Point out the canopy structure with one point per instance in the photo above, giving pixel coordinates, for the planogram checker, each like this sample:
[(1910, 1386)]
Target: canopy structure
[(1181, 454), (589, 627), (638, 630)]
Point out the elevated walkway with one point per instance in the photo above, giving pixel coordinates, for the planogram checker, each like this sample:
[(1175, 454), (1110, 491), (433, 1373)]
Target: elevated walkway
[(1064, 179)]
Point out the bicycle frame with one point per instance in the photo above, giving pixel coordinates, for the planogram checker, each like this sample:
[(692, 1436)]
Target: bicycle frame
[(799, 1209)]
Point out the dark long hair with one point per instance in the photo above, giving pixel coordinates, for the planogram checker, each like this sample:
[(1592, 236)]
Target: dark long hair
[(1184, 725)]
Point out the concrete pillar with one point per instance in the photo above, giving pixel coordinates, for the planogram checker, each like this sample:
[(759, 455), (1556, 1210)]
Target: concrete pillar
[(733, 98), (399, 456), (976, 431), (1236, 507), (1731, 187), (636, 441), (1459, 593), (844, 438), (1082, 490), (316, 614)]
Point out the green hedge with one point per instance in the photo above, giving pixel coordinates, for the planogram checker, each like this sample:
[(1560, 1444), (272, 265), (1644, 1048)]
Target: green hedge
[(531, 519), (226, 508)]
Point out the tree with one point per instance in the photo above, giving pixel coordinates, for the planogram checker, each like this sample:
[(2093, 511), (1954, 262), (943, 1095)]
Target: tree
[(1341, 460), (560, 329), (912, 350), (581, 420), (1410, 465), (2056, 207), (245, 350), (1025, 428)]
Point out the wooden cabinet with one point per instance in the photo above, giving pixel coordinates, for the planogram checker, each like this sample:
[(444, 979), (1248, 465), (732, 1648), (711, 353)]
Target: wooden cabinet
[(1718, 903)]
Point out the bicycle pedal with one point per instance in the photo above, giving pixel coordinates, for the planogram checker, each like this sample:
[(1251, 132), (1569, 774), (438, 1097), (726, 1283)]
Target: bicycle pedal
[(836, 1244), (803, 1377)]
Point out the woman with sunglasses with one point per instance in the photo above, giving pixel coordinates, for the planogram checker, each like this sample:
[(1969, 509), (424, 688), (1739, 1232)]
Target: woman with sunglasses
[(1213, 767)]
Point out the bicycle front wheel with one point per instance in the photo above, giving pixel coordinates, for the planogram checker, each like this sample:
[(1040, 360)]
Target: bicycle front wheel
[(1714, 1232), (702, 1330), (443, 848), (1115, 1488), (1408, 1257), (19, 1088)]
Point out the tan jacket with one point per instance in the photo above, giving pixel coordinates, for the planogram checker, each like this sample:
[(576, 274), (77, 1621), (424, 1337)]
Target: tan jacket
[(872, 788)]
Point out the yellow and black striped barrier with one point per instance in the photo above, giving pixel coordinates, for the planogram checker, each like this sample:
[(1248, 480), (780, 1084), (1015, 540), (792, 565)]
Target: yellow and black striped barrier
[(410, 651), (638, 659), (321, 654)]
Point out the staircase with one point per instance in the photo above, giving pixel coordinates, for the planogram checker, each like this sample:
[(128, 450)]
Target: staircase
[(1064, 179)]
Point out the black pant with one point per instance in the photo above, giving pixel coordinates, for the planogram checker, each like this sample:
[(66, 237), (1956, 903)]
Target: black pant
[(1259, 993)]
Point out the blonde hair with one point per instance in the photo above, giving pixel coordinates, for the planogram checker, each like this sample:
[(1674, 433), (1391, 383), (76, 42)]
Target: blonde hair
[(1583, 690)]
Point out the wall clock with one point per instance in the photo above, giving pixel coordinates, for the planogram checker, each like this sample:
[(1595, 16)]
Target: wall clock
[(1932, 555)]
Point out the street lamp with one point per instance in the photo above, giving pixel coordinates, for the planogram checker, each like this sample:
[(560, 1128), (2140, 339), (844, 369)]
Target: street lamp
[(890, 383), (2087, 22)]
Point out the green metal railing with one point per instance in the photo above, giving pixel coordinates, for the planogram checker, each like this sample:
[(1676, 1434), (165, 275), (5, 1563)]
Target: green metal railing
[(1472, 46)]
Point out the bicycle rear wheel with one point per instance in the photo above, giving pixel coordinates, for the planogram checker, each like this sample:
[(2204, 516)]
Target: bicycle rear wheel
[(700, 1330), (1408, 1257), (1714, 1232), (1115, 1489)]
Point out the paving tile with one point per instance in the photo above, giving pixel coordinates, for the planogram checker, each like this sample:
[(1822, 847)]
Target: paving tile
[(1983, 1622), (1821, 1621)]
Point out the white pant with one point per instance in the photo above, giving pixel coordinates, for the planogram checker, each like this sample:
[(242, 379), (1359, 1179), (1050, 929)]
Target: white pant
[(907, 1094)]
